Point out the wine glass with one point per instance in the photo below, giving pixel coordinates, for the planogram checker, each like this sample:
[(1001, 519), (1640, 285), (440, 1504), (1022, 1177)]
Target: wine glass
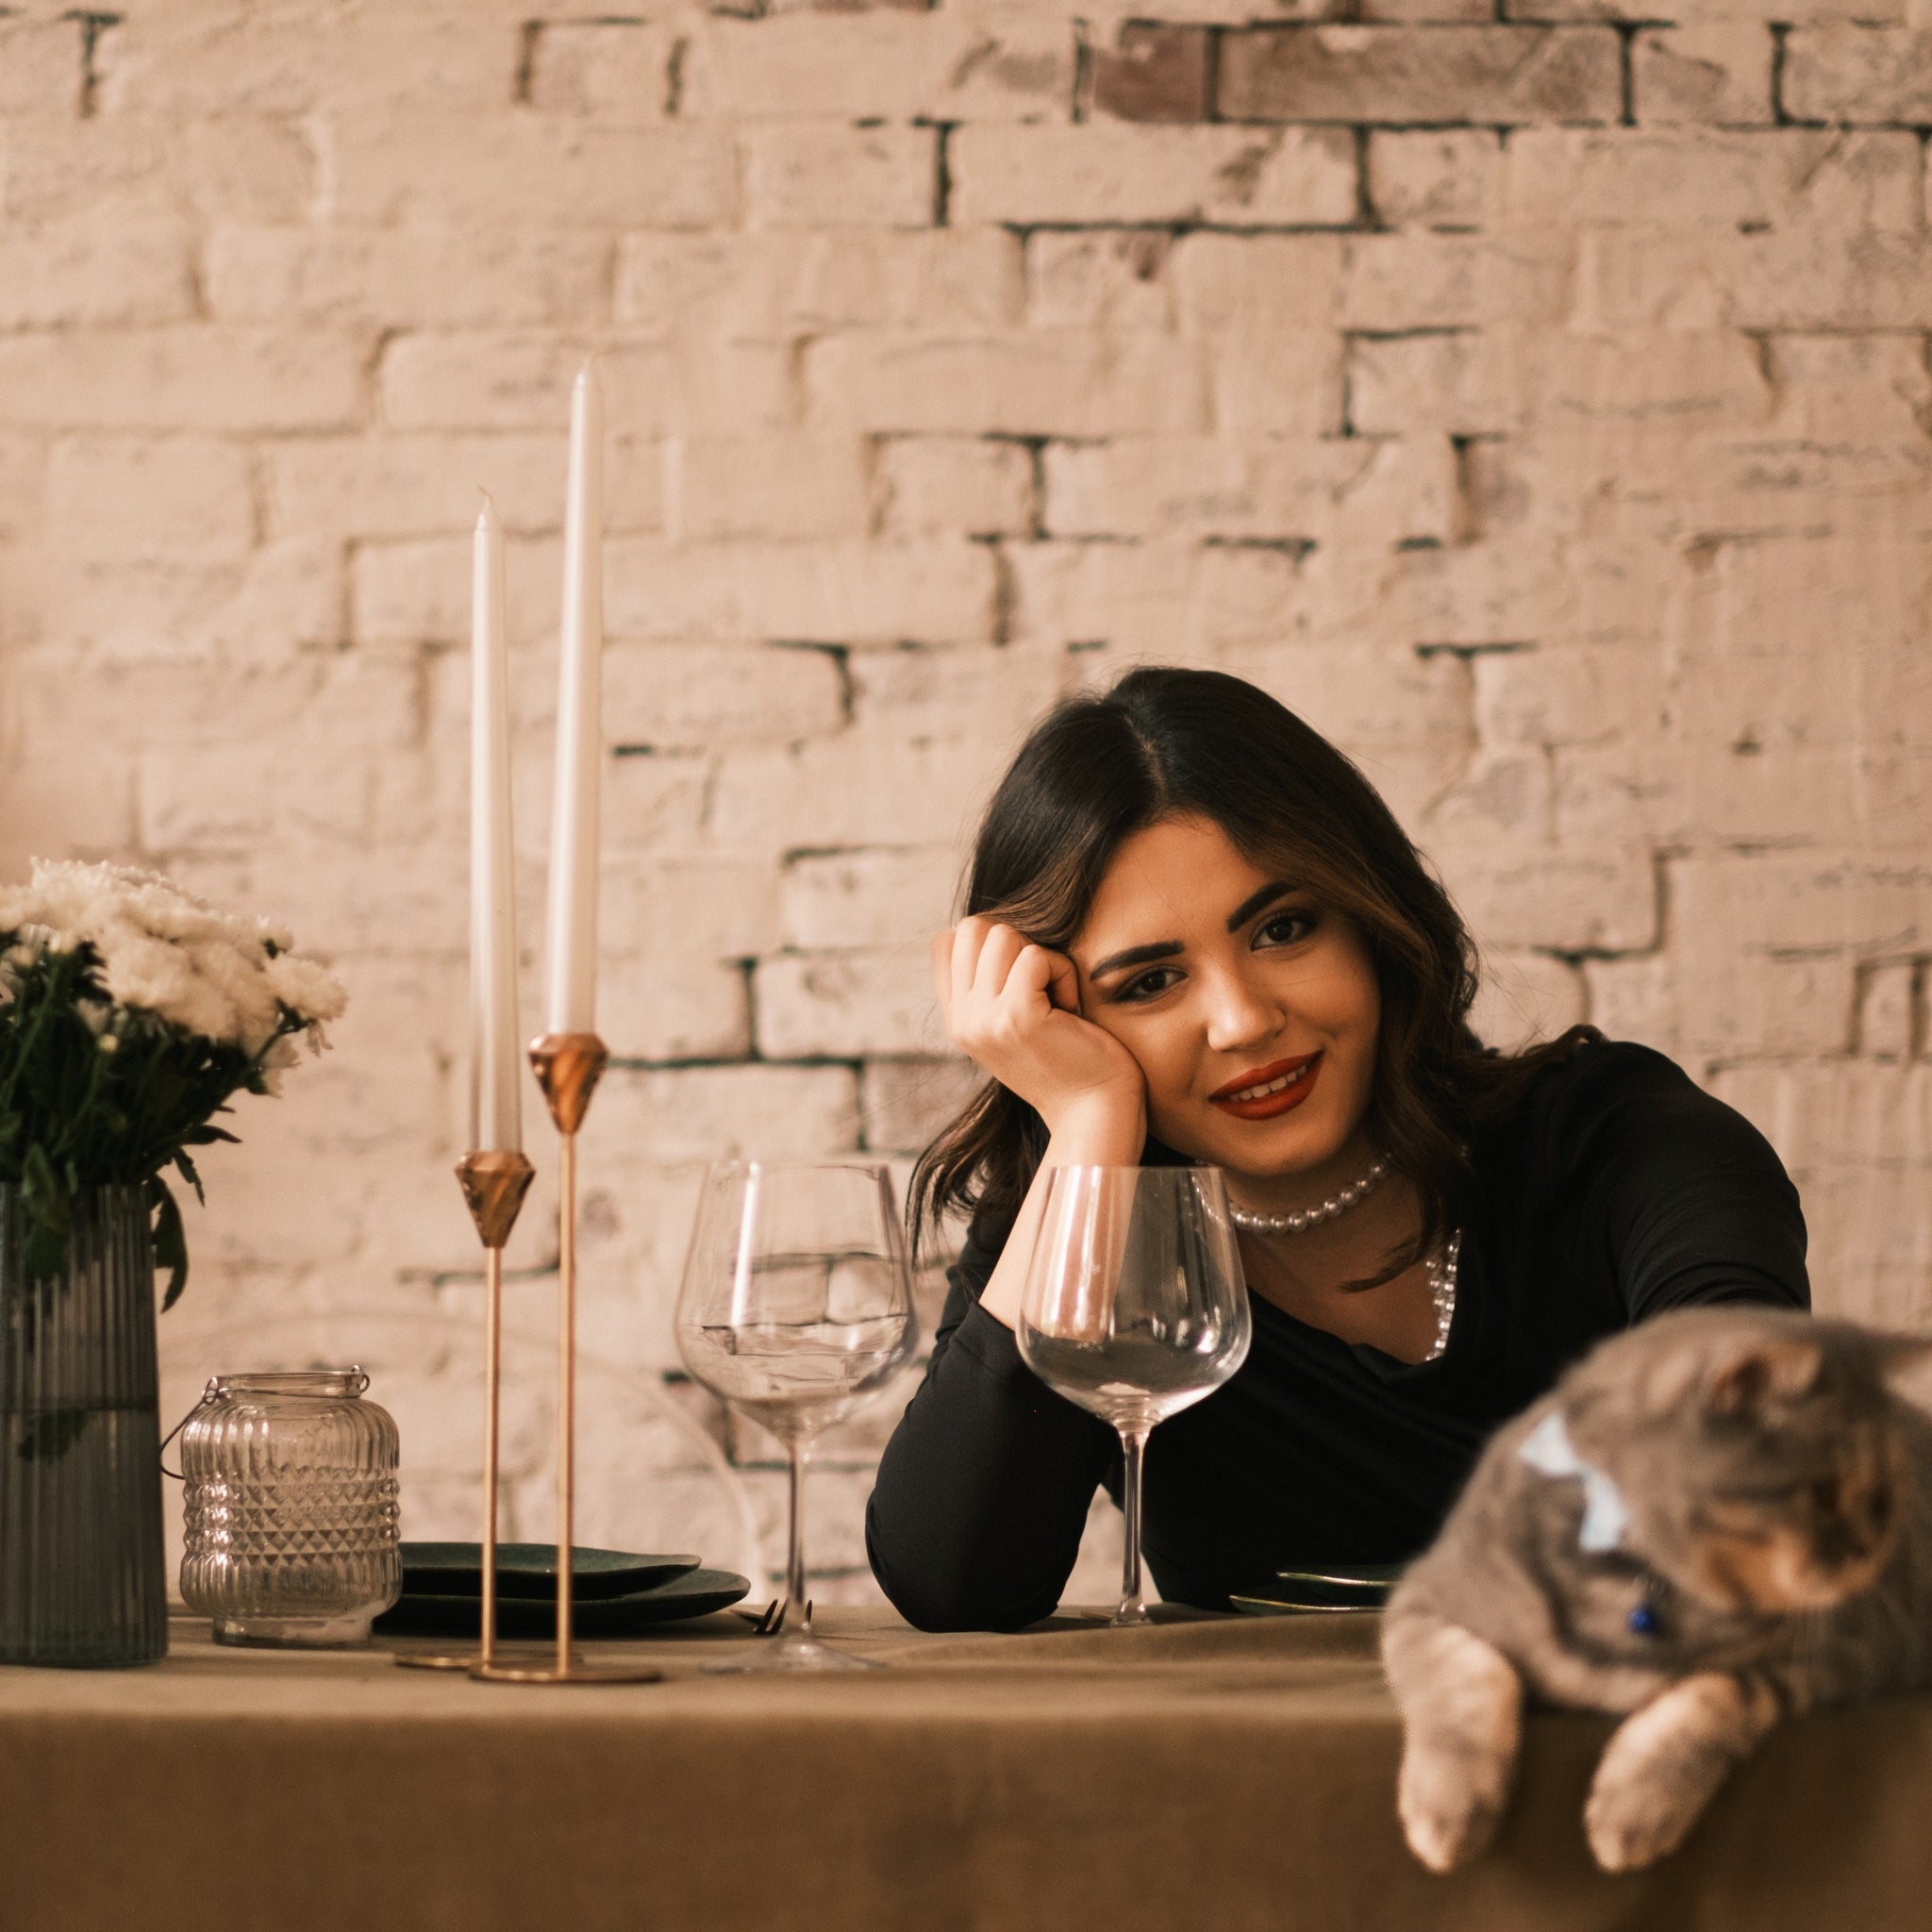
[(796, 1305), (1135, 1308)]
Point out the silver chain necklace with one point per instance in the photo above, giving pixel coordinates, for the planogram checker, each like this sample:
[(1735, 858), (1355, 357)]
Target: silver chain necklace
[(1310, 1217)]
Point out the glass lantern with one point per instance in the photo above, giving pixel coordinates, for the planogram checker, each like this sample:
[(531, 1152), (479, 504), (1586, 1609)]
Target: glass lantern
[(292, 1508)]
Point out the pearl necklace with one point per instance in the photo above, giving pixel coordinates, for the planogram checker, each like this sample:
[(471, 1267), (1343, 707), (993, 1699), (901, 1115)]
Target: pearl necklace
[(1442, 1272), (1312, 1217)]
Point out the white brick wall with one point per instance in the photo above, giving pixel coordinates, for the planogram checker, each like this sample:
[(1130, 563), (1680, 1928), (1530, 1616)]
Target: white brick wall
[(1541, 407)]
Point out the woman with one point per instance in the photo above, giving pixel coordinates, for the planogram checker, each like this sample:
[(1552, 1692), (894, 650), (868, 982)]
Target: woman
[(1195, 933)]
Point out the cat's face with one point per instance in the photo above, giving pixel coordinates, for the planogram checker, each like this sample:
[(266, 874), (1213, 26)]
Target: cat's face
[(1763, 1466), (1798, 1516)]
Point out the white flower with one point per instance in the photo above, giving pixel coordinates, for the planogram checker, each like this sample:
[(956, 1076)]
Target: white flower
[(234, 981), (276, 1061)]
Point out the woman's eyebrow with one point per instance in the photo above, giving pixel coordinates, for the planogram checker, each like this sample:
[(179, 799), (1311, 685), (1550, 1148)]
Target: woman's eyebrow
[(1255, 900), (1136, 956)]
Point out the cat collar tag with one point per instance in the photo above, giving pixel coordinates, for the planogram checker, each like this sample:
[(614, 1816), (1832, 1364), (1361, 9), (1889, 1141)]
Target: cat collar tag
[(1605, 1515)]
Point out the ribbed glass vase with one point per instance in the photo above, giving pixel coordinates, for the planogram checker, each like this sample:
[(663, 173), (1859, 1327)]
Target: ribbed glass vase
[(82, 1573)]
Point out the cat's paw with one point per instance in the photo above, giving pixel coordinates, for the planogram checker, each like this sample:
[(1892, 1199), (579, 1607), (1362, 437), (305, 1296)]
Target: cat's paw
[(1629, 1825), (1663, 1765), (1450, 1804)]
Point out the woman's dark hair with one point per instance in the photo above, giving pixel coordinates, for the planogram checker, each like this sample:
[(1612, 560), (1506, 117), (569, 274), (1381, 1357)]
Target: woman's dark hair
[(1166, 743)]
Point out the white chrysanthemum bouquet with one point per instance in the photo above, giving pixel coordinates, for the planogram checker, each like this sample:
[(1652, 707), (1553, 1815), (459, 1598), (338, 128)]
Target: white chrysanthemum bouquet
[(129, 1013)]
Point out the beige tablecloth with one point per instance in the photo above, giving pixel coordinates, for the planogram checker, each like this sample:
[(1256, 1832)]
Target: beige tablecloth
[(1219, 1774)]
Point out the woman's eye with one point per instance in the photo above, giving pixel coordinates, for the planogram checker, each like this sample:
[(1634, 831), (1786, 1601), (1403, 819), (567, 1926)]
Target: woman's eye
[(1148, 986), (1286, 928)]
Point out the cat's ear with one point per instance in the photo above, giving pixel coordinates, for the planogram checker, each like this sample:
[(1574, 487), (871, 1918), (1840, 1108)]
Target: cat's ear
[(1763, 1373)]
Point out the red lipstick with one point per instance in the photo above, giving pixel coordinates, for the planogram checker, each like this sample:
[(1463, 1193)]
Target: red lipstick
[(1266, 1106)]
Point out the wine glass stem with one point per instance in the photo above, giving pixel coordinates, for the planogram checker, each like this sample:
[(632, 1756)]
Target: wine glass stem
[(1133, 1455), (797, 1617)]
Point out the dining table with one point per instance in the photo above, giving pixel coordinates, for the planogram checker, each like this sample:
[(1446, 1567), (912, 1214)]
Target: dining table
[(1233, 1774)]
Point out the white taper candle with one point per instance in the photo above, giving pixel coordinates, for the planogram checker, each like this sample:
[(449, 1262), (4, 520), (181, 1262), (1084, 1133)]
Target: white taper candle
[(496, 1060), (573, 836)]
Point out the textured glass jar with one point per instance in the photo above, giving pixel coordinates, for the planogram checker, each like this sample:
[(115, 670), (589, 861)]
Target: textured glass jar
[(289, 1486), (83, 1574)]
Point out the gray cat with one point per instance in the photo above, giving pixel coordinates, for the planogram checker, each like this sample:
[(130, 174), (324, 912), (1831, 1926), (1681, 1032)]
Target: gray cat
[(1717, 1520)]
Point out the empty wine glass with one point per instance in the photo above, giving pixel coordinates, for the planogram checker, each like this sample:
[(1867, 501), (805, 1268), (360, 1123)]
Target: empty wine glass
[(1135, 1308), (797, 1307)]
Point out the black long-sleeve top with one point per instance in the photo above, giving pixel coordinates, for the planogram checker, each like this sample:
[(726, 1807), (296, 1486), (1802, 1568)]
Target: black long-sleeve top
[(1615, 1190)]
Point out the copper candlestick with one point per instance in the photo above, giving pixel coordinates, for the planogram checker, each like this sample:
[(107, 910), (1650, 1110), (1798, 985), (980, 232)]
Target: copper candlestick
[(569, 1066), (494, 1182)]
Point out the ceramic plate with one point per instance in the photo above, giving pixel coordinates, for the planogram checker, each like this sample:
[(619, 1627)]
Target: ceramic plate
[(1322, 1588), (529, 1570), (696, 1593)]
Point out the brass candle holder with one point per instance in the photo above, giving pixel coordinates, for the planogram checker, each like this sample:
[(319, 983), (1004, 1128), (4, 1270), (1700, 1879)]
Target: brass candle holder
[(494, 1182), (569, 1066)]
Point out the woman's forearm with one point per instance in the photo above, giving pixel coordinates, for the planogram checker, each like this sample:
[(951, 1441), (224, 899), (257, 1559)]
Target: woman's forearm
[(1110, 1135)]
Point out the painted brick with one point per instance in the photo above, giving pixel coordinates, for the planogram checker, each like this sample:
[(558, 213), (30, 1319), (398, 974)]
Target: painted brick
[(181, 61), (1891, 1015), (1485, 73), (1286, 384), (772, 284), (1791, 177), (522, 382), (936, 485), (1393, 282), (1231, 176), (1715, 73), (907, 1101), (1256, 283), (614, 71), (421, 278), (191, 377), (234, 167), (703, 1113), (692, 697), (1271, 490), (1155, 72), (807, 592), (87, 271), (1858, 73), (865, 896), (812, 174), (545, 171), (771, 486), (1435, 178), (1100, 278), (1012, 63), (427, 484), (1042, 383), (116, 496), (40, 66), (846, 1004)]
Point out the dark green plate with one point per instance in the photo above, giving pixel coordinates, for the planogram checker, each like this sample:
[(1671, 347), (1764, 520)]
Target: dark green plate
[(529, 1570), (696, 1593)]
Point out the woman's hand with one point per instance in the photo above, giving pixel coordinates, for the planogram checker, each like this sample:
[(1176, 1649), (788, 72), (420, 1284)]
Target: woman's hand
[(1014, 1008)]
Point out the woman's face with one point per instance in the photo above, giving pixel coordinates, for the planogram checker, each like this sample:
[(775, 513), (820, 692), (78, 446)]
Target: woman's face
[(1252, 1010)]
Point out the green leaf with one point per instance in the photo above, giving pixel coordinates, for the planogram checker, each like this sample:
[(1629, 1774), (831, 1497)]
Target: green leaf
[(186, 1169), (49, 1437), (170, 1240), (46, 1200), (46, 1253)]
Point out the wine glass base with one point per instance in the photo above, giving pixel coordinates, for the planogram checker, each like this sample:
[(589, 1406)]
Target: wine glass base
[(795, 1654), (1129, 1617)]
